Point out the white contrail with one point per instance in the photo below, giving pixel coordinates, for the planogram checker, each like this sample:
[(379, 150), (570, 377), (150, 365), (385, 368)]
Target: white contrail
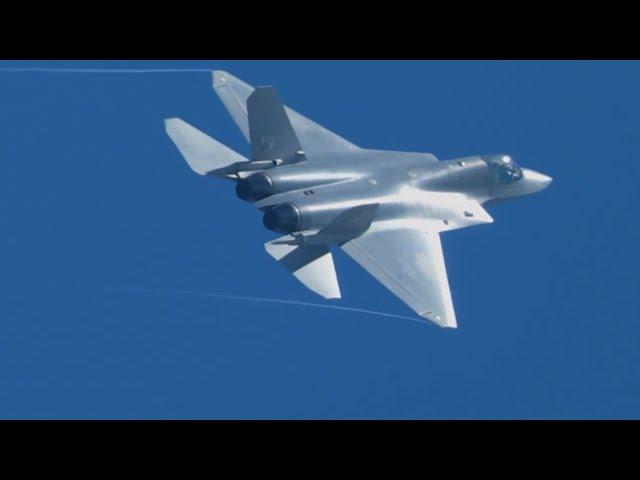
[(285, 302), (103, 70)]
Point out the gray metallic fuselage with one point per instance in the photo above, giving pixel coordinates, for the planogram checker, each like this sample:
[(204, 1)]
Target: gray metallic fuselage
[(319, 190)]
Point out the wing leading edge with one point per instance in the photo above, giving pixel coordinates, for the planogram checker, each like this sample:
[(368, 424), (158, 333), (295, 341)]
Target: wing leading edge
[(410, 263)]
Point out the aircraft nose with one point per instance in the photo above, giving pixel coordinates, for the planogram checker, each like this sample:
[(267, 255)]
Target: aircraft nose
[(538, 181)]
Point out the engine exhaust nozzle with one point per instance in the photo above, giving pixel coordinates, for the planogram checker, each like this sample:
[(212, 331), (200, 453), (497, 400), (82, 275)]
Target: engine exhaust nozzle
[(283, 218), (254, 188)]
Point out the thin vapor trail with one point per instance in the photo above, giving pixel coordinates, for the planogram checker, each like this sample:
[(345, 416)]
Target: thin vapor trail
[(202, 294), (104, 70), (285, 302)]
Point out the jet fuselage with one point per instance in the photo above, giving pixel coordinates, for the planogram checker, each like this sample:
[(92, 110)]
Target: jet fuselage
[(384, 209), (308, 195)]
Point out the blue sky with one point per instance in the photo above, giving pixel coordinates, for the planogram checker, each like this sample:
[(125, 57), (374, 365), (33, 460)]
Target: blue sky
[(98, 208)]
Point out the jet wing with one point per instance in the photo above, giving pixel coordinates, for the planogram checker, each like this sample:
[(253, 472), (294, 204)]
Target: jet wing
[(314, 138), (410, 263), (204, 155)]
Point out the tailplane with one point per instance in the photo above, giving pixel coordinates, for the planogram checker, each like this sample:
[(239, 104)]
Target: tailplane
[(204, 155), (311, 264)]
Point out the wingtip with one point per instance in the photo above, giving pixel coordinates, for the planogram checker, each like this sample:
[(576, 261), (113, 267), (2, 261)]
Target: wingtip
[(173, 126), (438, 320), (337, 294), (170, 121), (452, 326), (220, 78), (329, 291)]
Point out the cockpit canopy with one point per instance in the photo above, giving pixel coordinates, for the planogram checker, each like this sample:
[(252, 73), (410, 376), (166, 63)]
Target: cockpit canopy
[(503, 168)]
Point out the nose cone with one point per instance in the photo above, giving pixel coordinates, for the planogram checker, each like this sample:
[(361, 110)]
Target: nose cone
[(535, 181)]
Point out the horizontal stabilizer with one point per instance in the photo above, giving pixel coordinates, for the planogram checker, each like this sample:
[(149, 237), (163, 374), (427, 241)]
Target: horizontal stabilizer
[(203, 154), (311, 264)]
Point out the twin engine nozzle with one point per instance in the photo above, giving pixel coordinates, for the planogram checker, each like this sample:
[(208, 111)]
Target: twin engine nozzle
[(287, 217), (283, 218)]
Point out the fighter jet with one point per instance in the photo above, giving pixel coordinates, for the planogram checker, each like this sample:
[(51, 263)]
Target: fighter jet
[(385, 209)]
